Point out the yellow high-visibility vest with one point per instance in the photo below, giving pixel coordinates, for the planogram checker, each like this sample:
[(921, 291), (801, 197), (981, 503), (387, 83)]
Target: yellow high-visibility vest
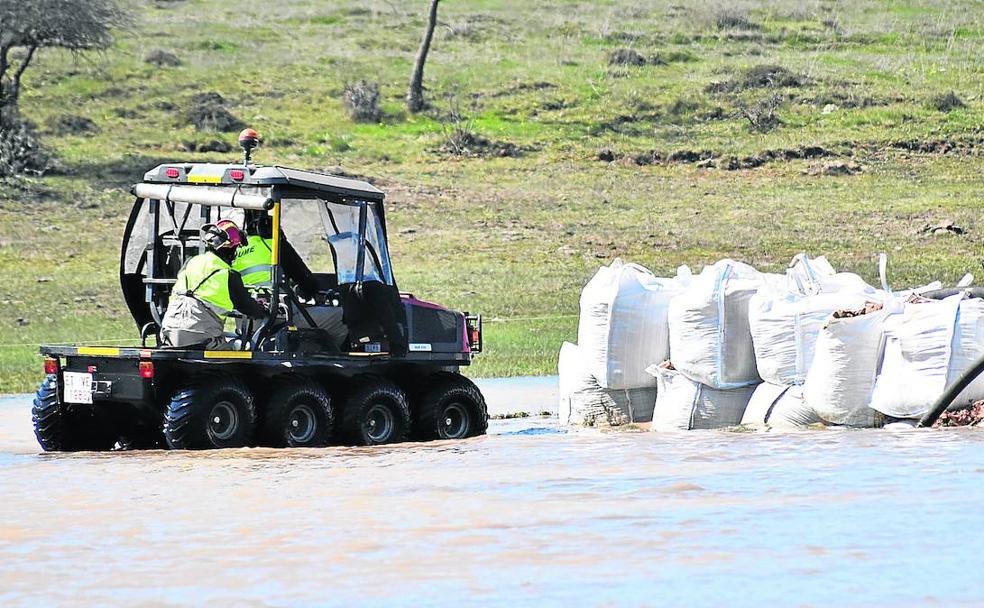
[(254, 262), (206, 278)]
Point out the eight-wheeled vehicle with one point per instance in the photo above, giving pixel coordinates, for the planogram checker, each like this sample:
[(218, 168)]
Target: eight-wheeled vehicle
[(279, 384)]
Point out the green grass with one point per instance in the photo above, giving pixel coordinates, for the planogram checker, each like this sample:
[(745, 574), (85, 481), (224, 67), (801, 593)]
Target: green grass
[(515, 238)]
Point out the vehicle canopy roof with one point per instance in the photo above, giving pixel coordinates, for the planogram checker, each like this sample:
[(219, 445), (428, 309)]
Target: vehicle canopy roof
[(233, 175)]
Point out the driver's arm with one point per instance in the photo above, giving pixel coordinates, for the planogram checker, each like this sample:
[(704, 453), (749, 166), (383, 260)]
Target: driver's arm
[(297, 271), (241, 300)]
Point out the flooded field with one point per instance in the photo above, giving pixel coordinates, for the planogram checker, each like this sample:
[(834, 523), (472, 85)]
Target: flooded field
[(527, 515)]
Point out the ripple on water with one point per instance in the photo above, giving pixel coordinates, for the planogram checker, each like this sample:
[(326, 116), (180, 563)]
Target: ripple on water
[(528, 514)]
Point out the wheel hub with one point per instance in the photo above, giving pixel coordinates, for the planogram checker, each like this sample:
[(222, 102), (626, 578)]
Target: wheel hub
[(456, 421), (379, 423), (223, 421), (302, 424)]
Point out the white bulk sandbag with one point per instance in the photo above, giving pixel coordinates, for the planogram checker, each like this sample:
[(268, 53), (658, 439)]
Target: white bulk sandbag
[(785, 329), (623, 329), (573, 377), (584, 402), (790, 411), (683, 404), (786, 319), (917, 355), (779, 407), (968, 347), (760, 405), (784, 408), (785, 324), (710, 340), (809, 276), (606, 407), (846, 358)]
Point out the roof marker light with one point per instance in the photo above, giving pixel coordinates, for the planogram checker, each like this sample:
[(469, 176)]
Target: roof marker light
[(172, 173), (237, 175)]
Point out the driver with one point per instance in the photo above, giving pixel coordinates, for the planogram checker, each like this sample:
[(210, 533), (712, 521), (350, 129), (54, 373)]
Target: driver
[(254, 261), (207, 290)]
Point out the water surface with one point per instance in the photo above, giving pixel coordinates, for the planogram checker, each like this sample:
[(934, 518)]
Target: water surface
[(527, 515)]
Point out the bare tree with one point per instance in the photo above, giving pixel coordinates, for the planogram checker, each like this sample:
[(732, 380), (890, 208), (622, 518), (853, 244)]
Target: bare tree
[(27, 26), (415, 96)]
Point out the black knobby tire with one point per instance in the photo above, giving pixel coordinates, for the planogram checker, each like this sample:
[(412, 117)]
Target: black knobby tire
[(214, 412), (299, 415), (60, 429), (451, 407), (375, 412)]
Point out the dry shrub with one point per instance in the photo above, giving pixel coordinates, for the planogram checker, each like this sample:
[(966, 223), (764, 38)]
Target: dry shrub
[(461, 140), (361, 99), (761, 114), (946, 102), (21, 151), (625, 57), (734, 18)]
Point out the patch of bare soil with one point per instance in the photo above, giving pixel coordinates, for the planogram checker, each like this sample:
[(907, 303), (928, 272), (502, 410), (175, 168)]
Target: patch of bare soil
[(469, 144), (834, 168), (519, 87), (759, 77), (208, 112), (162, 59), (707, 159), (72, 124)]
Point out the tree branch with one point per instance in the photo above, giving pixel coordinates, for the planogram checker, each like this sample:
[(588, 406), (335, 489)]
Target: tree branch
[(23, 66), (4, 64)]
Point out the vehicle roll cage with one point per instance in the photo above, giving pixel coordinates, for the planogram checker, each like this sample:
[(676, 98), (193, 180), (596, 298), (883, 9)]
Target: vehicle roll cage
[(279, 184)]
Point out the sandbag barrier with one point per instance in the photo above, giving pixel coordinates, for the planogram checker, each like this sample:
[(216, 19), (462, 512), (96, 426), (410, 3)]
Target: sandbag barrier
[(732, 346)]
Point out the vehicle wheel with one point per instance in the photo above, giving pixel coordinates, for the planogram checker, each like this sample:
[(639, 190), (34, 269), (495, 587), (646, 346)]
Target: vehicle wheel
[(215, 412), (61, 429), (298, 415), (452, 407), (375, 412)]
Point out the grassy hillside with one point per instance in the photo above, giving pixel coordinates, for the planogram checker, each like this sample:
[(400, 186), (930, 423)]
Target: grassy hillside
[(665, 132)]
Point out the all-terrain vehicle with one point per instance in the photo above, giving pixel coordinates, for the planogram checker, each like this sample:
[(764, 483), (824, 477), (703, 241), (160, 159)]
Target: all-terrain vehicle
[(397, 377)]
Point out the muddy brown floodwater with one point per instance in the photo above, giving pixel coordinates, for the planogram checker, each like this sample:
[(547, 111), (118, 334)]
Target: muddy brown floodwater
[(529, 514)]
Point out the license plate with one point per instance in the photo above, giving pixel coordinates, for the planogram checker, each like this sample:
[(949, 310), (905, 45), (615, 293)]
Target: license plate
[(78, 387)]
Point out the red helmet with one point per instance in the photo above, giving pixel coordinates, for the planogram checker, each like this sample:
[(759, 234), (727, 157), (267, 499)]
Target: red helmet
[(224, 234)]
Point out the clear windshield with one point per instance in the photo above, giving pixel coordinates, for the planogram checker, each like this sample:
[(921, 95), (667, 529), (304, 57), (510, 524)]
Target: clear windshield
[(341, 225)]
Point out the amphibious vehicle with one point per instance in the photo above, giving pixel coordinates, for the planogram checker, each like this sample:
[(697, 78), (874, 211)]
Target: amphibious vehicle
[(397, 376)]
